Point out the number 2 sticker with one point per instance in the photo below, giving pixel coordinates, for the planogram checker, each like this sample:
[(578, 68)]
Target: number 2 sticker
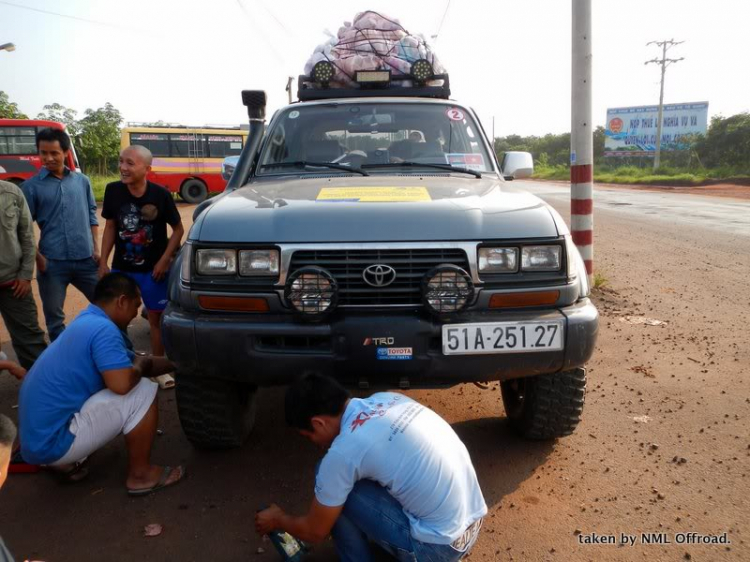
[(455, 114)]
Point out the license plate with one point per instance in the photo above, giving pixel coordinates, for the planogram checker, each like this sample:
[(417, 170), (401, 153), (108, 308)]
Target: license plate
[(503, 337)]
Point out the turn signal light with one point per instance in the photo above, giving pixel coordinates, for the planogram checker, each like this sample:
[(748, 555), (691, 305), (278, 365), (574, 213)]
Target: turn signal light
[(514, 300), (234, 304)]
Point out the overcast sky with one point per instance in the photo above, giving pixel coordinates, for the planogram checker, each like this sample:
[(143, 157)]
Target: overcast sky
[(186, 61)]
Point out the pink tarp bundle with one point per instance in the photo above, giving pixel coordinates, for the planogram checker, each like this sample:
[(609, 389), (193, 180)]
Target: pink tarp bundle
[(373, 42)]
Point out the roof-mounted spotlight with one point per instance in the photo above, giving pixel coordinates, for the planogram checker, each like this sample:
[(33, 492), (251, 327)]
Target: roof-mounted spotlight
[(323, 72), (422, 70)]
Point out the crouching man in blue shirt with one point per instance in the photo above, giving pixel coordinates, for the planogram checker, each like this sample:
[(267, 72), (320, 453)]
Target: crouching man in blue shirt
[(395, 473), (88, 387)]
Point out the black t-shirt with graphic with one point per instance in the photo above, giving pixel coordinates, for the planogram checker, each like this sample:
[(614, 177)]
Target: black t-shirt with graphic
[(141, 236)]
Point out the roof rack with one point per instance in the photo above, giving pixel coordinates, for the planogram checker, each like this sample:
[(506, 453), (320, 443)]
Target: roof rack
[(308, 90)]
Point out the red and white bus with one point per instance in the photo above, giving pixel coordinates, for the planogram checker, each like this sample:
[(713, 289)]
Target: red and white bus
[(187, 160), (19, 159)]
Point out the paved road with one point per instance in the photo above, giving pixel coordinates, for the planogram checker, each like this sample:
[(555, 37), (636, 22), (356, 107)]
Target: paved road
[(731, 216), (678, 390)]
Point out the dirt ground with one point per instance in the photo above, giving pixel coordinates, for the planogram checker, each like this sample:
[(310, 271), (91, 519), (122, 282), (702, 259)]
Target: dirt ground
[(663, 447), (728, 190)]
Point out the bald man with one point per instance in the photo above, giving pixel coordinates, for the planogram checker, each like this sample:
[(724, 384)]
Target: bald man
[(137, 213)]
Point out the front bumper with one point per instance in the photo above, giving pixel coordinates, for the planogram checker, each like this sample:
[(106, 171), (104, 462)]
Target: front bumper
[(267, 350)]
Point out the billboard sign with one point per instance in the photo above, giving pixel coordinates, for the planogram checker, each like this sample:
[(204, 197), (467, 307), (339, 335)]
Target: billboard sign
[(631, 131)]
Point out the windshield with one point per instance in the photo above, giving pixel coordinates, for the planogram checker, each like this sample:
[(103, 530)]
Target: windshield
[(379, 137)]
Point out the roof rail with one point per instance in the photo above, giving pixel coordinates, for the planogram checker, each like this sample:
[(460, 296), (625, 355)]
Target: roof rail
[(179, 126), (308, 90)]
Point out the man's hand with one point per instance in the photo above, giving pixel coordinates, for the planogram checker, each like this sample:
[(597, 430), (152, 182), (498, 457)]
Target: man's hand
[(16, 370), (96, 256), (143, 365), (41, 262), (268, 519), (103, 268), (160, 269), (21, 288)]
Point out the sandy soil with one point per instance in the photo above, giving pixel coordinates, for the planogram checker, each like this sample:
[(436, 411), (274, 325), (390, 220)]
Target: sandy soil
[(663, 446)]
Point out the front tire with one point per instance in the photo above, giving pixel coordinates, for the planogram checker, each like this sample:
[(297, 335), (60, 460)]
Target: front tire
[(214, 413), (194, 191), (545, 406)]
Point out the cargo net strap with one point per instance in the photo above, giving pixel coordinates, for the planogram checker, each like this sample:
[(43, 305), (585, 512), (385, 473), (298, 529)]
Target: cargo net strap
[(373, 42)]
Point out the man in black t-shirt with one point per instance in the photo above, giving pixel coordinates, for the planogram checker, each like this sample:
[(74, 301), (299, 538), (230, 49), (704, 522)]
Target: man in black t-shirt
[(137, 213)]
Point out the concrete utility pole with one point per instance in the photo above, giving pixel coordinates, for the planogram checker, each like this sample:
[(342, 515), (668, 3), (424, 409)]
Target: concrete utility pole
[(582, 137), (289, 83), (664, 62)]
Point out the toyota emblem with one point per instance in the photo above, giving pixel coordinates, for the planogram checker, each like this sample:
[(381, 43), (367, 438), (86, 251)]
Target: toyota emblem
[(379, 275)]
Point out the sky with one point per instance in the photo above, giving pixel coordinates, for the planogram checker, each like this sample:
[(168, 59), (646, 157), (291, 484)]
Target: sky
[(186, 61)]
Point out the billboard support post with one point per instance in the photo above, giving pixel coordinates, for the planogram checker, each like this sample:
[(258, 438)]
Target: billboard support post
[(664, 62), (581, 137)]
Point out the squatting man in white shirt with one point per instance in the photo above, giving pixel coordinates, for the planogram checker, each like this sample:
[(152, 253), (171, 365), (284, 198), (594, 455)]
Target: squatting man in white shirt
[(395, 474)]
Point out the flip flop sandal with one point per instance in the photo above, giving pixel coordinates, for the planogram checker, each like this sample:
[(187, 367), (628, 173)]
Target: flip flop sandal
[(166, 381), (161, 484), (76, 473)]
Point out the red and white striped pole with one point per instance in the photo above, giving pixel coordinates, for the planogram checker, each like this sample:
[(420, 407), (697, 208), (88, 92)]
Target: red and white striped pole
[(581, 137)]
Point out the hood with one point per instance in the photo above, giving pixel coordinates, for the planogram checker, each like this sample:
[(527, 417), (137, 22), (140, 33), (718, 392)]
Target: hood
[(374, 209)]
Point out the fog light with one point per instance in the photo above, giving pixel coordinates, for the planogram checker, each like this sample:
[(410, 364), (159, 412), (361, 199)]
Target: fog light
[(311, 291), (422, 70), (322, 72), (447, 288)]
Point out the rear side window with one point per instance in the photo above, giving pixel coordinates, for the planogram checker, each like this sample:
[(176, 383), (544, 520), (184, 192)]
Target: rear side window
[(220, 146), (18, 141), (157, 143)]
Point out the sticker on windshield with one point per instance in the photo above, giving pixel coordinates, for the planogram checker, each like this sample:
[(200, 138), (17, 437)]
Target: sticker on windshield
[(373, 194), (293, 114), (469, 161), (454, 114)]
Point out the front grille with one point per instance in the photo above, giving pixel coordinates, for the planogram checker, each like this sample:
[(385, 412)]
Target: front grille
[(347, 266)]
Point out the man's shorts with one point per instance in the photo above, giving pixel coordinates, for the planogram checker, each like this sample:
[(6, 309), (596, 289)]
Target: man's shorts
[(106, 415), (153, 293)]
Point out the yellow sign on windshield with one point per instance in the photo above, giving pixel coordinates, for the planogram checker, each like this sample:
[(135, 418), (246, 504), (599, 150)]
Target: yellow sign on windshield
[(374, 194)]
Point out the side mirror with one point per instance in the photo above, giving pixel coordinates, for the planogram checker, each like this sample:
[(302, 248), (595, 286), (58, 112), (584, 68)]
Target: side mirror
[(517, 165)]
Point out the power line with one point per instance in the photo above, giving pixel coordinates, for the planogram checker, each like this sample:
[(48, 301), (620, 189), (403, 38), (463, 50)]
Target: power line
[(263, 36), (664, 62), (440, 27), (77, 18)]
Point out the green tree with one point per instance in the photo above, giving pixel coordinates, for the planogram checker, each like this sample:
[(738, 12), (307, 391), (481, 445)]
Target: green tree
[(61, 114), (727, 142), (8, 109), (99, 138)]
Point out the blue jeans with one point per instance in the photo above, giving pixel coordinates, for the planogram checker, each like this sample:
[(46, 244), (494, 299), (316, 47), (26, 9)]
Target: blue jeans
[(372, 514), (53, 284)]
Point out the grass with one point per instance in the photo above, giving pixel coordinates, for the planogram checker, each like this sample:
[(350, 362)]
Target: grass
[(599, 280), (98, 183), (636, 175)]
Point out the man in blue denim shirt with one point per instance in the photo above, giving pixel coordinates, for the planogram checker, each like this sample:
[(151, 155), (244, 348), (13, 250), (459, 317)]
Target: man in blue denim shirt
[(62, 203)]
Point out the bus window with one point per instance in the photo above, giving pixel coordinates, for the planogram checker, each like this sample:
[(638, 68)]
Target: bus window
[(225, 145), (158, 144), (18, 141)]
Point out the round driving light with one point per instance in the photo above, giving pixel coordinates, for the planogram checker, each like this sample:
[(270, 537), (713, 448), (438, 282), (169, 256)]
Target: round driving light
[(447, 288), (323, 71), (311, 291), (422, 70)]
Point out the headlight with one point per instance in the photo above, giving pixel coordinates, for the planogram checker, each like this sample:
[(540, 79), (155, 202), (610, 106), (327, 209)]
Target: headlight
[(259, 262), (447, 288), (311, 291), (498, 260), (541, 258), (216, 262)]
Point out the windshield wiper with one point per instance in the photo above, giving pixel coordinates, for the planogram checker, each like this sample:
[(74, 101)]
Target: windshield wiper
[(420, 164), (305, 164)]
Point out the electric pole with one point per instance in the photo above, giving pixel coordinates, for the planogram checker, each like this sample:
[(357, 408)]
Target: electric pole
[(664, 62), (581, 136)]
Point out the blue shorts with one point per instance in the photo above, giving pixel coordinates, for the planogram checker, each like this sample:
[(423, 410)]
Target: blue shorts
[(153, 293)]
